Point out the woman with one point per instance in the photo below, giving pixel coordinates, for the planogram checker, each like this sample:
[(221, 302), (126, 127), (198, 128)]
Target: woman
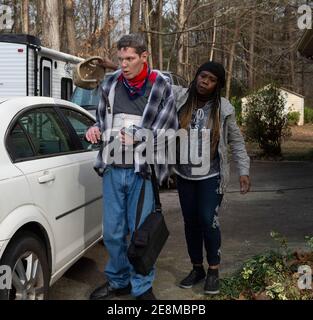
[(201, 107)]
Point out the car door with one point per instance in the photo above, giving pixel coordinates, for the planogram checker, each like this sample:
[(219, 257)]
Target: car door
[(90, 181), (61, 181)]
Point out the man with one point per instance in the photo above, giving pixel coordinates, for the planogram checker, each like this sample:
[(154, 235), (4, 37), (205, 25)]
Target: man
[(133, 98)]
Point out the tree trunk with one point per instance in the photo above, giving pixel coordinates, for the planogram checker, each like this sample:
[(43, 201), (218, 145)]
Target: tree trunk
[(70, 26), (62, 24), (155, 13), (25, 18), (40, 9), (251, 52), (292, 55), (231, 56), (160, 36), (135, 16), (106, 26), (90, 5), (17, 23), (213, 40), (181, 38), (51, 32), (147, 26)]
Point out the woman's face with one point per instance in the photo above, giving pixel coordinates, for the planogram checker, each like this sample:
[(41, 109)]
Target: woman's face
[(206, 83)]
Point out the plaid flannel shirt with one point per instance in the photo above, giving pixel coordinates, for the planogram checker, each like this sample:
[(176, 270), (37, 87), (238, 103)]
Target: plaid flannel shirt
[(159, 115)]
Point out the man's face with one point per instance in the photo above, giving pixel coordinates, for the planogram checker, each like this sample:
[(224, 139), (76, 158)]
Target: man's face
[(131, 62), (206, 83)]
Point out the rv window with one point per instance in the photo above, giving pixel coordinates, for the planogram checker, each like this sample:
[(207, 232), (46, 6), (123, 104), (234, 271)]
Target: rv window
[(66, 88), (46, 82)]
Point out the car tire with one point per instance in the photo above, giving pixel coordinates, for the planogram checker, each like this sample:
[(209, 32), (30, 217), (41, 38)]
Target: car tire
[(27, 258)]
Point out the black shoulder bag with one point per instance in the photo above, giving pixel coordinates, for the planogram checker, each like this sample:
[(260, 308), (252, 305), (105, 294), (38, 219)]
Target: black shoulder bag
[(148, 240)]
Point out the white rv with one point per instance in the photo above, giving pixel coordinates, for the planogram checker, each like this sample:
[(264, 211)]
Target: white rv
[(28, 69)]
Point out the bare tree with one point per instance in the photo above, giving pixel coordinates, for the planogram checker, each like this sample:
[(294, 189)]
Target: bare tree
[(155, 17), (135, 16), (40, 9), (160, 39), (51, 32), (147, 27), (232, 55), (251, 51), (70, 25), (181, 37), (106, 25), (25, 18)]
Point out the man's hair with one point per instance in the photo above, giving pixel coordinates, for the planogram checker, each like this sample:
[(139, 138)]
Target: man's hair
[(133, 40)]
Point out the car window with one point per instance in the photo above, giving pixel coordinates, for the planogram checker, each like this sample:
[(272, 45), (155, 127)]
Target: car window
[(80, 123), (86, 98), (46, 131), (19, 146), (175, 80)]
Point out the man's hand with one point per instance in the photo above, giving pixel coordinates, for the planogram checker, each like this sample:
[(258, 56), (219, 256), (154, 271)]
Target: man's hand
[(244, 184), (93, 135), (125, 138), (108, 64)]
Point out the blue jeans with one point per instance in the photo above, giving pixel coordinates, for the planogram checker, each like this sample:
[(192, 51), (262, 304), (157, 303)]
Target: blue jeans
[(200, 201), (121, 190)]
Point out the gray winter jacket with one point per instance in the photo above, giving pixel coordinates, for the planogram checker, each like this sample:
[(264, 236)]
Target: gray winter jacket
[(230, 134)]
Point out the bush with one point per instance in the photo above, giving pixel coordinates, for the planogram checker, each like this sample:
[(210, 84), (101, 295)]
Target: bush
[(266, 121), (293, 118), (308, 115)]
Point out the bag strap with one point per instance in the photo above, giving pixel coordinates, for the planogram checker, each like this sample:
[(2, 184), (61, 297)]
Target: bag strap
[(158, 206)]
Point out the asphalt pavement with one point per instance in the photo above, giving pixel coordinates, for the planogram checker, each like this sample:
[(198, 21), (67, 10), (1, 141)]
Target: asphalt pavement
[(281, 200)]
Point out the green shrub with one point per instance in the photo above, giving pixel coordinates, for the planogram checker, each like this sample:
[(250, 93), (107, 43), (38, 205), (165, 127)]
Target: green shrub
[(266, 121), (308, 115), (293, 118)]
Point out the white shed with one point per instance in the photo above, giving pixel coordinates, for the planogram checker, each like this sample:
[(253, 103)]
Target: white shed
[(294, 103)]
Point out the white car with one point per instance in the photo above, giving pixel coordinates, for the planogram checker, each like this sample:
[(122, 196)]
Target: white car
[(50, 195)]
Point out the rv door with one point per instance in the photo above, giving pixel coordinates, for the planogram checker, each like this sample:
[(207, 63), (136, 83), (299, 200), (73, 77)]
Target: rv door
[(46, 77)]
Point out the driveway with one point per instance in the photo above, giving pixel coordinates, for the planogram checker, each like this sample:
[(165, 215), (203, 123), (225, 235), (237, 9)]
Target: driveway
[(280, 200)]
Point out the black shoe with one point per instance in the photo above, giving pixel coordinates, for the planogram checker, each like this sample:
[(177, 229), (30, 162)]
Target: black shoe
[(212, 285), (107, 292), (195, 276), (147, 295)]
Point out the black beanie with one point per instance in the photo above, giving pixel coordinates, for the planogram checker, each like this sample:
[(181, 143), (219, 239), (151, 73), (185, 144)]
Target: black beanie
[(216, 68)]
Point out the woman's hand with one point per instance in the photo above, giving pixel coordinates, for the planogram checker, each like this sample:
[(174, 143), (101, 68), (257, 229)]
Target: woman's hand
[(244, 184)]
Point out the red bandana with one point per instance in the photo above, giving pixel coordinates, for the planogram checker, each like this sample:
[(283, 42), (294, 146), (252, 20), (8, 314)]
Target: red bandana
[(140, 78)]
